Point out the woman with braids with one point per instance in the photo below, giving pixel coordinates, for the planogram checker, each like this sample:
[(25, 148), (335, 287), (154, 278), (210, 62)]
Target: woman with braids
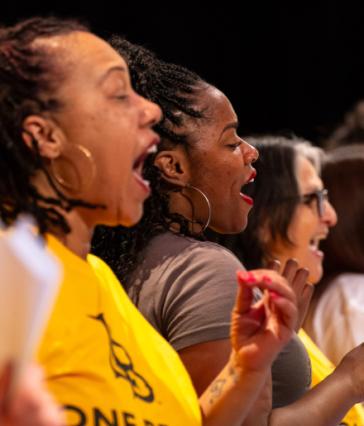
[(73, 139), (184, 285), (292, 218)]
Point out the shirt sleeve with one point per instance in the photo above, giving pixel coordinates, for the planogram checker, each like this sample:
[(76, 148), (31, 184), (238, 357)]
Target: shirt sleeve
[(197, 307)]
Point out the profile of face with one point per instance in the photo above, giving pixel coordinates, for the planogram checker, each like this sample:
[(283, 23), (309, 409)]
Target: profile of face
[(96, 142), (217, 162), (307, 228)]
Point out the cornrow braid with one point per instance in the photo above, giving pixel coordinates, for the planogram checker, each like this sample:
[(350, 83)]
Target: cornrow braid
[(28, 76), (173, 88), (168, 85)]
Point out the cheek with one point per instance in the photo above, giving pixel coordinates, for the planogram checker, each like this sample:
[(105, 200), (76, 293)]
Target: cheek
[(300, 249), (214, 176), (114, 161), (123, 165), (303, 225)]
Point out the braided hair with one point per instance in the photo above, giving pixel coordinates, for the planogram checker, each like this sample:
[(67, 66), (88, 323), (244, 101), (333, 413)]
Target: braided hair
[(29, 76), (174, 89)]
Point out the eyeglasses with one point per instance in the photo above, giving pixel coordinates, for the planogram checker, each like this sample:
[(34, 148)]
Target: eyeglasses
[(321, 195)]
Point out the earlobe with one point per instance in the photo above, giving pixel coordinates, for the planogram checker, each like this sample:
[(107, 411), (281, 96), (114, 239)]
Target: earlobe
[(44, 133), (174, 167)]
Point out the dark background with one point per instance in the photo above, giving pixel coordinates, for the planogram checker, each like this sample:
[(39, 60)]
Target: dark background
[(295, 66)]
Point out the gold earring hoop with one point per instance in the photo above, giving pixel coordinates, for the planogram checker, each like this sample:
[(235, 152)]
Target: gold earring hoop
[(207, 201), (65, 173)]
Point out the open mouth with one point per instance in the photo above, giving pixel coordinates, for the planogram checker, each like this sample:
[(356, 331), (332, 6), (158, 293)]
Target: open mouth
[(314, 244), (246, 198), (138, 166)]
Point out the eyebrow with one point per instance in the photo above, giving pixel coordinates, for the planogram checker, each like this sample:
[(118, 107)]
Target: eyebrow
[(234, 125), (116, 68), (313, 188)]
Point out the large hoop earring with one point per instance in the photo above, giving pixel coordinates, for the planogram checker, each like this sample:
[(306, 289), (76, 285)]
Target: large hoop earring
[(67, 175), (207, 201)]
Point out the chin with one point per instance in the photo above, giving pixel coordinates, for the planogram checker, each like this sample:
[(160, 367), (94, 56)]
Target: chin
[(237, 227), (315, 277), (131, 221), (131, 217), (232, 228)]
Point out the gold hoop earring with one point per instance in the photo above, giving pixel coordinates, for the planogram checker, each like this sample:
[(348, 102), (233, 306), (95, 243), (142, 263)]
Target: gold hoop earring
[(207, 201), (69, 176)]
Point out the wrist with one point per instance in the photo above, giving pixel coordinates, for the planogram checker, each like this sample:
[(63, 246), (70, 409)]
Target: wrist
[(240, 371), (347, 383)]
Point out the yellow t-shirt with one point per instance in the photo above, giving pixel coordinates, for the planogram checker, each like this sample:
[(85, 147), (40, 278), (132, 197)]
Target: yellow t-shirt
[(103, 361), (321, 368)]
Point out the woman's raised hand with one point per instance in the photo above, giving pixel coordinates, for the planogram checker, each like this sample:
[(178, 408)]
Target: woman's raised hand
[(260, 330)]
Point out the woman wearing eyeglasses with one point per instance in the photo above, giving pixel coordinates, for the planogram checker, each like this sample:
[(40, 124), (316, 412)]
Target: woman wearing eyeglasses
[(292, 212), (291, 216), (340, 294)]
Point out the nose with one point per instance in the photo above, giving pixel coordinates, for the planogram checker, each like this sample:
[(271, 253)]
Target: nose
[(249, 152), (151, 113), (329, 216)]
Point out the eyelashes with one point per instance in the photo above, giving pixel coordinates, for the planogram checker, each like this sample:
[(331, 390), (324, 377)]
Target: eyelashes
[(234, 145)]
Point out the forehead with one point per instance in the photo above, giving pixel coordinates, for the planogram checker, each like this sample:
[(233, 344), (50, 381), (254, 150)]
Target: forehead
[(218, 113), (307, 176), (83, 53), (217, 104)]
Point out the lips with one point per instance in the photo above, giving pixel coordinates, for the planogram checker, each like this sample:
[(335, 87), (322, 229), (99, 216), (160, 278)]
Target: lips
[(139, 164), (252, 176), (315, 242), (246, 198)]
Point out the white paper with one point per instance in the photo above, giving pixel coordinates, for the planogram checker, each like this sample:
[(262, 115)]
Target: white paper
[(29, 280)]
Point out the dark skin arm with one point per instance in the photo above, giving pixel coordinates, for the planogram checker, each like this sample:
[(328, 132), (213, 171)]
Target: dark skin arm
[(344, 385), (327, 403), (205, 360), (258, 332), (318, 403)]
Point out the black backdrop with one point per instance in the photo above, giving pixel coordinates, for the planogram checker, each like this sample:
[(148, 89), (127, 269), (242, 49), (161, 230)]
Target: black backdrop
[(295, 66)]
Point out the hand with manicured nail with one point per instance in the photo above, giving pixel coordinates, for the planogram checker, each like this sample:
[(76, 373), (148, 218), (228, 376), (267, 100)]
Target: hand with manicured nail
[(260, 330)]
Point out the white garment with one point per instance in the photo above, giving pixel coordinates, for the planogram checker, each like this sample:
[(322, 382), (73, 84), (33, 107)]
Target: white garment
[(337, 325)]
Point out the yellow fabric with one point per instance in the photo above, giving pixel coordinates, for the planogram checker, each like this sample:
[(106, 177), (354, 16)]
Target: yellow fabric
[(104, 362), (321, 368)]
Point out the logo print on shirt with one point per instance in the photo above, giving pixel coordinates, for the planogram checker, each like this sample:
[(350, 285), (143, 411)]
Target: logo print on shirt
[(122, 366)]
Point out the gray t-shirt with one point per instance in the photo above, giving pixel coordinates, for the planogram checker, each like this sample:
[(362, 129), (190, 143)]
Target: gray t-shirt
[(186, 289)]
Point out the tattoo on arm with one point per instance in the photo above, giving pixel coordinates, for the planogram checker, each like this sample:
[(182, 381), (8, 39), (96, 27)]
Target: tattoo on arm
[(216, 389), (217, 386), (234, 375)]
